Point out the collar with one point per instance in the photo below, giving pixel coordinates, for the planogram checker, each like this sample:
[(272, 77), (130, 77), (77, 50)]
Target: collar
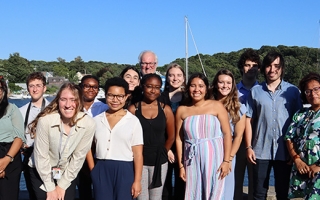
[(56, 120)]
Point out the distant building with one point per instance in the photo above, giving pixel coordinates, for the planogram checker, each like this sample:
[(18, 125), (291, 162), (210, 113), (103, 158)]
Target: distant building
[(56, 81)]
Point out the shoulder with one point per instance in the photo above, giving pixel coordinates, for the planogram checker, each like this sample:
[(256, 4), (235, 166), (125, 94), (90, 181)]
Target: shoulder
[(24, 107), (132, 117), (50, 119)]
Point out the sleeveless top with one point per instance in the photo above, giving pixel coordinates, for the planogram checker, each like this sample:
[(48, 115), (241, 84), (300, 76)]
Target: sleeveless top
[(154, 132)]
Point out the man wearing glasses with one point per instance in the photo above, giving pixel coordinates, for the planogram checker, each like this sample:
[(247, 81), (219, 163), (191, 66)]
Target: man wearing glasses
[(148, 64), (36, 86)]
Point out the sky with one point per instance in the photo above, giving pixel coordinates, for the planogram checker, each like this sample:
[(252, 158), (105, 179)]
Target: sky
[(117, 31)]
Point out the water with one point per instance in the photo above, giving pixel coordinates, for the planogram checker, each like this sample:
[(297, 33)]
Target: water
[(19, 103)]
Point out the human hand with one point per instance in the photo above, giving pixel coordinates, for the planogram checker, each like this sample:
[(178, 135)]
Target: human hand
[(61, 192), (4, 162), (136, 189), (183, 174), (2, 174), (251, 157), (224, 170), (313, 170), (301, 166), (53, 195), (171, 157)]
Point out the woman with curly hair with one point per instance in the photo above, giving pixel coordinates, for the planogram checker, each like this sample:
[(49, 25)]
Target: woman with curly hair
[(63, 136), (224, 90)]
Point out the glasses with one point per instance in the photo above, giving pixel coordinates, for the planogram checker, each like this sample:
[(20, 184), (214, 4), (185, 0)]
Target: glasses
[(144, 64), (120, 97), (155, 87), (38, 86), (315, 90), (93, 87)]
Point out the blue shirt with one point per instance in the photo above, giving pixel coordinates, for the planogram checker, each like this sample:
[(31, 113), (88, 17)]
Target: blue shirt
[(96, 108), (271, 115), (243, 92)]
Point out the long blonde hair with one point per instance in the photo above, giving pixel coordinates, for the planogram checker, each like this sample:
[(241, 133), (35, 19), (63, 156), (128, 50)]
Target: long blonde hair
[(231, 101), (53, 107)]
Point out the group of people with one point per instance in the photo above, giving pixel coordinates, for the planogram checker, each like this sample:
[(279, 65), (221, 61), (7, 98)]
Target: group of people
[(201, 135)]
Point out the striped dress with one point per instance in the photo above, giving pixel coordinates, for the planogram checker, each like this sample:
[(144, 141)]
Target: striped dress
[(202, 157)]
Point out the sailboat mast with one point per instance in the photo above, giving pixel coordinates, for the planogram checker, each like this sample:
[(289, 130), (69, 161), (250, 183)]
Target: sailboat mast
[(186, 29)]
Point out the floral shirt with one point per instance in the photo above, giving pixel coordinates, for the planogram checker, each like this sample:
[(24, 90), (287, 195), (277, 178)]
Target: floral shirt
[(304, 132)]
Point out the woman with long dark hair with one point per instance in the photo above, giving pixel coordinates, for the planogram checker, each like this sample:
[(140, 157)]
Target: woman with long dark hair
[(11, 140)]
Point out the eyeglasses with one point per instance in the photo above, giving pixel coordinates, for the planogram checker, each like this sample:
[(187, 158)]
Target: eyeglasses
[(93, 87), (144, 64), (38, 86), (315, 90), (155, 87), (120, 97)]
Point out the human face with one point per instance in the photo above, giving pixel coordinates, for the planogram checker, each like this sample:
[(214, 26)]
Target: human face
[(250, 69), (90, 88), (148, 63), (224, 85), (67, 105), (175, 77), (151, 89), (116, 98), (198, 89), (132, 78), (36, 89), (314, 97), (273, 71)]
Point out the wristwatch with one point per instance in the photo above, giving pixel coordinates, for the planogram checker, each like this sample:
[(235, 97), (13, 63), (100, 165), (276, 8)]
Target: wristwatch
[(11, 158)]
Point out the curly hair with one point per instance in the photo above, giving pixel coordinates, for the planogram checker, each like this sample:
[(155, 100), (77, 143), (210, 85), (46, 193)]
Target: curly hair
[(312, 76), (36, 75), (53, 107), (231, 101), (251, 55)]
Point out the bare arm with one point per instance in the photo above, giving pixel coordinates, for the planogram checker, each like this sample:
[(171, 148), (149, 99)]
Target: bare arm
[(170, 126), (138, 163), (251, 157), (132, 109), (179, 142), (238, 134)]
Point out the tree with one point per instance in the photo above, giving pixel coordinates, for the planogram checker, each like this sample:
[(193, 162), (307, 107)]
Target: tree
[(18, 68)]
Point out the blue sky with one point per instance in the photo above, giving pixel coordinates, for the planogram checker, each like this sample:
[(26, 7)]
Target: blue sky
[(117, 31)]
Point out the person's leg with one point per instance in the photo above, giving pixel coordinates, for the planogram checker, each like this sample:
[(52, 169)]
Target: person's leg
[(250, 180), (145, 182), (167, 189), (281, 178), (26, 155), (239, 171), (9, 186), (84, 183), (102, 180), (71, 191), (156, 193), (36, 182), (123, 180), (261, 175), (229, 183)]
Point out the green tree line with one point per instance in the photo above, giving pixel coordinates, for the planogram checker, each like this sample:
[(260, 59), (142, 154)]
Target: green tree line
[(299, 61)]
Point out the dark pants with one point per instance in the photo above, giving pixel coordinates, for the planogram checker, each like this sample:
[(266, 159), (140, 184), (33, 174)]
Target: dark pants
[(261, 176), (112, 180), (84, 183), (26, 173), (176, 191), (9, 185), (42, 195)]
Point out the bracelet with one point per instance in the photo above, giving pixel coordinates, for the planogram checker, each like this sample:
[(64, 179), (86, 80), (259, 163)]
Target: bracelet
[(225, 161), (248, 147), (295, 157), (181, 167)]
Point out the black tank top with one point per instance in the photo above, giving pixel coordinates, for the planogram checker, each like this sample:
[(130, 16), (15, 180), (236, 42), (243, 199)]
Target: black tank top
[(154, 131)]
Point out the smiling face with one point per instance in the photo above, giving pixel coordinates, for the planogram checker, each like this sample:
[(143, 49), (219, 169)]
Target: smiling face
[(90, 88), (224, 85), (67, 105), (273, 71), (151, 89), (36, 89), (148, 63), (175, 78), (132, 78), (313, 96), (116, 98), (197, 90)]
